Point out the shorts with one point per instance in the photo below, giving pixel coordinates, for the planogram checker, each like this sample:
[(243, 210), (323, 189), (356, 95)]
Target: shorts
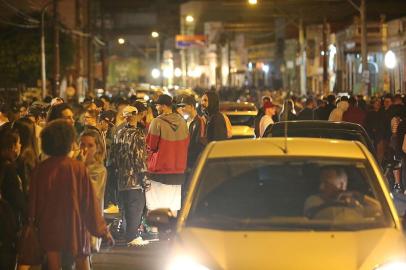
[(161, 196)]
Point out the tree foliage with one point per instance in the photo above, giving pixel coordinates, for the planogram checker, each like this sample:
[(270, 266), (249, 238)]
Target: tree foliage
[(20, 54)]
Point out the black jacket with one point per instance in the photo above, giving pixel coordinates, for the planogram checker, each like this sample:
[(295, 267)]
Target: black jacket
[(307, 114), (11, 189), (216, 129), (197, 140)]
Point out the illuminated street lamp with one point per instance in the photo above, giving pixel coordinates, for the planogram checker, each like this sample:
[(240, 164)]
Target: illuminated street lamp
[(121, 41), (252, 2), (390, 63), (178, 72), (154, 34), (155, 73), (189, 19), (390, 60)]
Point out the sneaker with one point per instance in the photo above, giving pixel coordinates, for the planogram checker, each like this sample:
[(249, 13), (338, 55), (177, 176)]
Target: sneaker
[(397, 188), (138, 242), (151, 236), (111, 209)]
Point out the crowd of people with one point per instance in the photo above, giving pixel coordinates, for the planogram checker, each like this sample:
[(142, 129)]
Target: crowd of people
[(128, 153), (138, 156), (383, 118)]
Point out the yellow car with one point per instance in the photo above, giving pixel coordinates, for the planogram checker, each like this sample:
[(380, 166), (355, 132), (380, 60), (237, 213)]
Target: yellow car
[(242, 116), (288, 204)]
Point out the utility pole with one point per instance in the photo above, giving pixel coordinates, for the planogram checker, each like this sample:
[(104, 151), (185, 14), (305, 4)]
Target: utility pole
[(302, 43), (229, 60), (43, 62), (90, 49), (326, 88), (55, 88), (364, 49), (104, 49)]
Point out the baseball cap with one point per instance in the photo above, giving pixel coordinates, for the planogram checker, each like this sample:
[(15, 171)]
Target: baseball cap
[(140, 106), (187, 100), (164, 100), (129, 110), (268, 104), (108, 116)]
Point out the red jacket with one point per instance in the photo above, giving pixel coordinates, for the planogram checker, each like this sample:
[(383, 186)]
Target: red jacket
[(354, 115), (63, 202), (167, 142)]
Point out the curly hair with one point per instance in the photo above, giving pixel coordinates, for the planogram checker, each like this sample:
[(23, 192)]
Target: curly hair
[(57, 138)]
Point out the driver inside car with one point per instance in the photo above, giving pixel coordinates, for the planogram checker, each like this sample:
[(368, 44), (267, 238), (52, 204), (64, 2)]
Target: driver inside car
[(334, 201)]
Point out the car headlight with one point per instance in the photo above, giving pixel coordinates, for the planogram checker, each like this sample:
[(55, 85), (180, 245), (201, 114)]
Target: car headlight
[(392, 266), (185, 263)]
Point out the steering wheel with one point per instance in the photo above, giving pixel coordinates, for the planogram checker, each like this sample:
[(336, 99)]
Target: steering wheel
[(346, 200)]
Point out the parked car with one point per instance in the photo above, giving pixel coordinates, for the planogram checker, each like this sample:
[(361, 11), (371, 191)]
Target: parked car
[(242, 116), (321, 129), (287, 203)]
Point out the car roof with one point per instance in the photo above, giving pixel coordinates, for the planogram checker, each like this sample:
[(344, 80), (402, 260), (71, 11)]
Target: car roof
[(300, 147), (237, 106), (249, 113), (320, 124)]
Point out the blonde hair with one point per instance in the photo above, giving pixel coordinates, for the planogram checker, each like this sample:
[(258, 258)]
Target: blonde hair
[(100, 152)]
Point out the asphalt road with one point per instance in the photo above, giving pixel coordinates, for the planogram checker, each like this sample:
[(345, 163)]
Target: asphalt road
[(121, 257)]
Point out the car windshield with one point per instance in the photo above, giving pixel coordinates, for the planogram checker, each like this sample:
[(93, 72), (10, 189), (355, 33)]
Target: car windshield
[(241, 120), (288, 194)]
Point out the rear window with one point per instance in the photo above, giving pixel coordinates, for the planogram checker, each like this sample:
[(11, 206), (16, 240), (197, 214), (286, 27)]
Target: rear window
[(346, 135), (241, 120)]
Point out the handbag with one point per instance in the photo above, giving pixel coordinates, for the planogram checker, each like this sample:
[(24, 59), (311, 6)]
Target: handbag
[(29, 247)]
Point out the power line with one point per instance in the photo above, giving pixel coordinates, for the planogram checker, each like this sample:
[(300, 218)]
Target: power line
[(21, 13), (27, 26)]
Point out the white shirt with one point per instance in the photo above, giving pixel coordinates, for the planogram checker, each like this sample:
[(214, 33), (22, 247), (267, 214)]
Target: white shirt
[(266, 120)]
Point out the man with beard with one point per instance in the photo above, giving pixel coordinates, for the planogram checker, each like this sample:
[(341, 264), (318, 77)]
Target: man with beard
[(216, 128)]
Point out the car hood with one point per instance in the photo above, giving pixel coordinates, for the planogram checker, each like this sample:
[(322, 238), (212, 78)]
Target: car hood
[(362, 250)]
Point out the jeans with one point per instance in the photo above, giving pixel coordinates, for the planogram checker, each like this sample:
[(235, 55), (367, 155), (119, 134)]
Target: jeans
[(133, 203), (110, 195)]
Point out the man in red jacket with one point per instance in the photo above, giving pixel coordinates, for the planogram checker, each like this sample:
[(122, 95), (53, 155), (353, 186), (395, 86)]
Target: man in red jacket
[(354, 114), (167, 143)]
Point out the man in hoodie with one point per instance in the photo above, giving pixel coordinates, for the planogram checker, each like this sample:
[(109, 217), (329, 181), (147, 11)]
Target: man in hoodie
[(337, 114), (167, 143), (216, 128), (196, 129)]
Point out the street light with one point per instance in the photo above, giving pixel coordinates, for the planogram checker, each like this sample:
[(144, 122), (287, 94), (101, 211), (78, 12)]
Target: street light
[(155, 34), (390, 60), (155, 73), (189, 19), (390, 63), (178, 72), (121, 41)]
